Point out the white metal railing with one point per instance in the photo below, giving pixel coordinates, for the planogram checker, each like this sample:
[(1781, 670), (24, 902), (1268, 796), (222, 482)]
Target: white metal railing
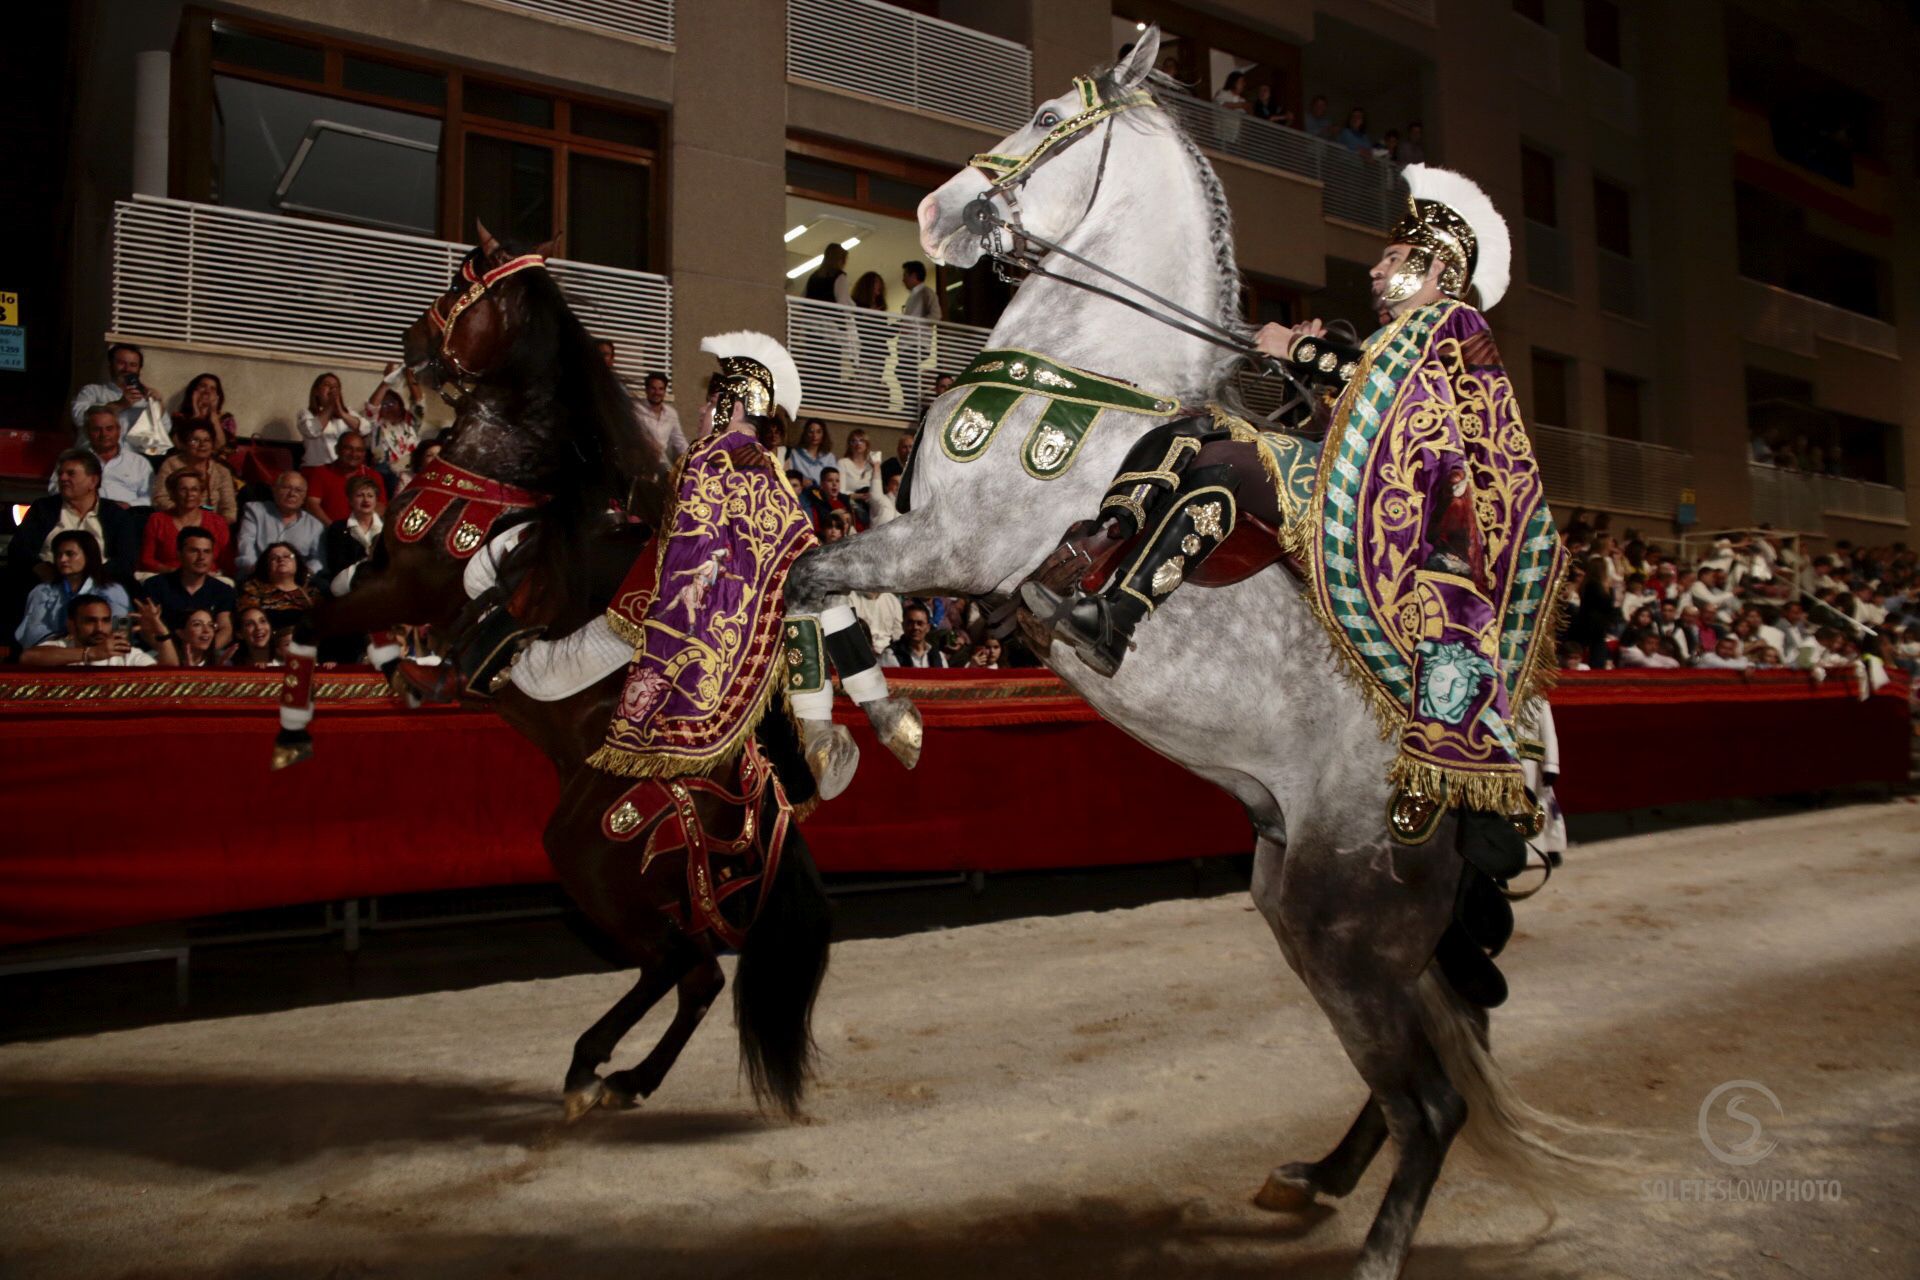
[(1535, 53), (1621, 287), (1354, 187), (648, 19), (908, 58), (1612, 95), (197, 273), (1776, 317), (873, 365), (1585, 469), (1790, 499), (1863, 500), (1549, 261)]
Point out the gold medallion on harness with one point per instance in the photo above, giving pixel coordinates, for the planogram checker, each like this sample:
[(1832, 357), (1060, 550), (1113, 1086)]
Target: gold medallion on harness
[(415, 521), (623, 819), (1206, 520), (1169, 575), (1051, 448), (468, 536), (970, 427)]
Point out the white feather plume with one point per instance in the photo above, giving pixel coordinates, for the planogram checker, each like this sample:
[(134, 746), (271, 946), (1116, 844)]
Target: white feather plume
[(1493, 265), (758, 346)]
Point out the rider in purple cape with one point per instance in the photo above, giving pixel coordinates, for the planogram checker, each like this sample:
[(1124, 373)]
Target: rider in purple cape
[(1430, 554)]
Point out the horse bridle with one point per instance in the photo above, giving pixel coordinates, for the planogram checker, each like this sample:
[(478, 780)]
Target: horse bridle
[(1010, 243), (465, 380)]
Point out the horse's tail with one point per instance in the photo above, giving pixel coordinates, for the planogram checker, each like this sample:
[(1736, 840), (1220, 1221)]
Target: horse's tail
[(1503, 1128), (782, 962)]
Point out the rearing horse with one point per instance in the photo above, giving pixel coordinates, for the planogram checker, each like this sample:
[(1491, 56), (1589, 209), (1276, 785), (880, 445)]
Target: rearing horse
[(545, 432), (1239, 683)]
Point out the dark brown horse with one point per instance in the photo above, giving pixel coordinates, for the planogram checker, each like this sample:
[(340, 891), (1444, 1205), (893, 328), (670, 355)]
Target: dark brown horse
[(538, 411)]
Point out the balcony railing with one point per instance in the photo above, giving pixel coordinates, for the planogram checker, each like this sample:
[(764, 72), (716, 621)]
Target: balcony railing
[(873, 365), (1789, 321), (1613, 96), (278, 286), (1584, 469), (1354, 187), (916, 61), (1535, 51), (1621, 288), (648, 19), (1549, 261), (1801, 500)]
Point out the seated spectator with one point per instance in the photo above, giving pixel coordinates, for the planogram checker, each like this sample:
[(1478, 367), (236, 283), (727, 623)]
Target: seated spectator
[(193, 585), (284, 520), (205, 400), (897, 464), (1667, 626), (882, 614), (144, 425), (1319, 119), (1389, 148), (915, 646), (125, 476), (773, 440), (324, 421), (1354, 135), (193, 640), (256, 644), (881, 506), (1647, 654), (1413, 147), (76, 558), (1726, 655), (197, 443), (1264, 107), (1700, 638), (76, 504), (353, 539), (160, 544), (427, 451), (278, 586), (987, 656), (825, 499), (327, 485), (814, 453), (859, 470), (395, 424), (90, 639)]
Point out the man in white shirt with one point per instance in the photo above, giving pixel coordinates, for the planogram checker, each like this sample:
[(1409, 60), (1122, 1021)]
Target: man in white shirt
[(1711, 597), (922, 302), (286, 519), (1796, 634), (659, 421), (1726, 655), (1646, 654), (1764, 631), (91, 640), (125, 476), (1866, 608), (145, 425)]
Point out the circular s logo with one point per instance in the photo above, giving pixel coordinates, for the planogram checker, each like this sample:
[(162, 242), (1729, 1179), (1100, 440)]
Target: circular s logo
[(1752, 1145)]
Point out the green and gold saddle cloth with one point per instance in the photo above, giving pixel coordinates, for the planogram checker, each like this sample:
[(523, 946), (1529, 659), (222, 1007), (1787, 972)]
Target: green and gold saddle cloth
[(997, 381)]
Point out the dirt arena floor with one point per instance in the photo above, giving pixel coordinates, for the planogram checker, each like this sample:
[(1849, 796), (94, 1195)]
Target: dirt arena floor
[(1092, 1095)]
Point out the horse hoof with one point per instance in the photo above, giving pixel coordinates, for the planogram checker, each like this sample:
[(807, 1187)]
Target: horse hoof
[(1285, 1192), (584, 1099), (832, 756), (288, 754), (897, 721)]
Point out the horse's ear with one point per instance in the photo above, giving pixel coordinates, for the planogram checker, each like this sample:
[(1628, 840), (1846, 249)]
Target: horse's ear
[(1132, 71), (488, 245), (551, 249)]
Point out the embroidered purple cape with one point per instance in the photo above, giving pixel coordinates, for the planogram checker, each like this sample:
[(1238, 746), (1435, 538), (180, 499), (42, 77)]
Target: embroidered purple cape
[(703, 606), (1433, 556)]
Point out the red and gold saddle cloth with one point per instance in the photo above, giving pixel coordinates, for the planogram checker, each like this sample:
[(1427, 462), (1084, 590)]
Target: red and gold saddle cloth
[(465, 503), (727, 876)]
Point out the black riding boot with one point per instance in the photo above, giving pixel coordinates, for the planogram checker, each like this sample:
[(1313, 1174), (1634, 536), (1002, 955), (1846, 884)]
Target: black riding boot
[(478, 666), (1196, 519)]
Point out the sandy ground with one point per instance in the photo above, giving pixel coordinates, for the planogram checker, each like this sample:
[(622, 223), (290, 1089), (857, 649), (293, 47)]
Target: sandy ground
[(1092, 1095)]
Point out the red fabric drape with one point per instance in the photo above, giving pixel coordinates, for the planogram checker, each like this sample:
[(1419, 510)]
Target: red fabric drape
[(145, 795)]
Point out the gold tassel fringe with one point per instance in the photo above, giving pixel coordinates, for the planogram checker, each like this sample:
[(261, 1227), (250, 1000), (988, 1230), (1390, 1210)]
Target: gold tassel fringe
[(1503, 792)]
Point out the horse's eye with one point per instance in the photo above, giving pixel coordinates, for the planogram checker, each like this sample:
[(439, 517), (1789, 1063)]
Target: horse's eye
[(1047, 119)]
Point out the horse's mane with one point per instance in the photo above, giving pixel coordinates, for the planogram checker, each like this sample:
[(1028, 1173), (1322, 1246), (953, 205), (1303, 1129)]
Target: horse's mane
[(554, 376), (1226, 300)]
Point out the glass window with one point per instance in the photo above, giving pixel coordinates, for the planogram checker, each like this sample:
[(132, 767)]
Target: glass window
[(615, 126), (498, 102), (408, 84), (284, 151), (807, 174), (1612, 218), (894, 193), (607, 211), (1539, 195), (1603, 31), (1550, 378), (509, 186), (1623, 407), (265, 53)]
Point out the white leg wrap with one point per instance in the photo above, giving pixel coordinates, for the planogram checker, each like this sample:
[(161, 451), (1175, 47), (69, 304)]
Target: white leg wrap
[(548, 670), (484, 569), (816, 704), (294, 718), (380, 655), (865, 686), (343, 580), (837, 618)]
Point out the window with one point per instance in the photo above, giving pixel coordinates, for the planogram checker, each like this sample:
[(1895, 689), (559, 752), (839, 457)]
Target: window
[(1551, 375), (1603, 31), (320, 129), (1777, 247), (1623, 407), (1532, 10), (1539, 191), (1612, 218)]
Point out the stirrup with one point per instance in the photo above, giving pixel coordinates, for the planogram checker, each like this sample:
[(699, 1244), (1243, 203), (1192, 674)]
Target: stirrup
[(1095, 640), (430, 683)]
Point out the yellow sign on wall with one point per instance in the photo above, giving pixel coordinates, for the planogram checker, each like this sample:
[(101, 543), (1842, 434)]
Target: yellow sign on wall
[(9, 307)]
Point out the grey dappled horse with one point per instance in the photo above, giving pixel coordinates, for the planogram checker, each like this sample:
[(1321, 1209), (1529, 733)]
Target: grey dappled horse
[(1238, 683)]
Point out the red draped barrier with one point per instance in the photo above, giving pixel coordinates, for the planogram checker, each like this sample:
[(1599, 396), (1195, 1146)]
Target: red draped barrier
[(135, 796)]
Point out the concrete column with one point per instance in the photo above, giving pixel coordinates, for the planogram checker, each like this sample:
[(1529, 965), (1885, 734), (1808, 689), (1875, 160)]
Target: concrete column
[(728, 158), (152, 88), (1070, 38), (1694, 258)]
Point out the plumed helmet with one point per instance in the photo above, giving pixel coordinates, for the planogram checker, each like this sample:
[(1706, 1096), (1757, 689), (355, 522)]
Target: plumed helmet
[(1450, 218), (759, 373)]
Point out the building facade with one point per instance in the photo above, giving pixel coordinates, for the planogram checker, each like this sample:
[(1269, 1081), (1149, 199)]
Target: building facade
[(1716, 309)]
